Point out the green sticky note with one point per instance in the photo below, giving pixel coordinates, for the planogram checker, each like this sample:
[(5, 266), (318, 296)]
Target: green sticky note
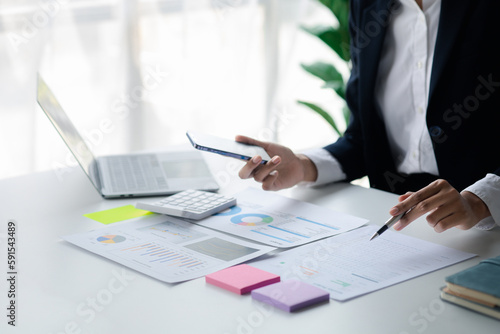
[(117, 214)]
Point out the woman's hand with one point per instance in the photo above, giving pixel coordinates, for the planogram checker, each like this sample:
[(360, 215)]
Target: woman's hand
[(285, 169), (447, 207)]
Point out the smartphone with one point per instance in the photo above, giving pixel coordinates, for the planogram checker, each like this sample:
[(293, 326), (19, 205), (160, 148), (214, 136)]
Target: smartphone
[(227, 147)]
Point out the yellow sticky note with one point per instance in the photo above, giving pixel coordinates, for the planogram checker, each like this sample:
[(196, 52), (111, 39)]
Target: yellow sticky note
[(117, 214)]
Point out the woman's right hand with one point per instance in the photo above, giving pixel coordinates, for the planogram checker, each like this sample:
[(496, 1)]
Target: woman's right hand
[(285, 170)]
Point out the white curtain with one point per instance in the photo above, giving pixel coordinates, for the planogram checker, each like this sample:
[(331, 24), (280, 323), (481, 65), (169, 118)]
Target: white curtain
[(136, 74)]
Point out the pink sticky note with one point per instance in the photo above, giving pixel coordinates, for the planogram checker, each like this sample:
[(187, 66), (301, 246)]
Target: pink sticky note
[(241, 279)]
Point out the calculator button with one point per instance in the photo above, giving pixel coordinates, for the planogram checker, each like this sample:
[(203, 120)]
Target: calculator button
[(192, 204)]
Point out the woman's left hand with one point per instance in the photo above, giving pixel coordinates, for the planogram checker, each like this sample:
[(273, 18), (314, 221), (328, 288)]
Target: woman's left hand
[(447, 207)]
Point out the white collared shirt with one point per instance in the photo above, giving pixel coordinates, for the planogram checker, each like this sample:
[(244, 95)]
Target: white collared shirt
[(402, 92), (402, 86)]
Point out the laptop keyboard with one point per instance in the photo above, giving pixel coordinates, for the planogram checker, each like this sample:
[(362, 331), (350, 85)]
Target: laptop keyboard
[(136, 173)]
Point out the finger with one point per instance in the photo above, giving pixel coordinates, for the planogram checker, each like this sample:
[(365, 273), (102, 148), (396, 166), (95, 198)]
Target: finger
[(250, 141), (447, 223), (248, 169), (412, 214), (269, 182), (405, 196), (263, 172), (401, 224), (451, 216), (416, 198), (420, 209), (440, 213), (440, 204)]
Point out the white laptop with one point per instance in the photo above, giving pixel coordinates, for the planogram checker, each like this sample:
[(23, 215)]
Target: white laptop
[(130, 175)]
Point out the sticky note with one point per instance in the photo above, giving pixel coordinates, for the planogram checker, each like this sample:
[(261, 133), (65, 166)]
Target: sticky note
[(241, 279), (117, 214), (290, 295)]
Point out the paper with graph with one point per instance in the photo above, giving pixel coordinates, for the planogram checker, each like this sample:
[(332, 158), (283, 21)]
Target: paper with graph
[(279, 221), (349, 265), (167, 248)]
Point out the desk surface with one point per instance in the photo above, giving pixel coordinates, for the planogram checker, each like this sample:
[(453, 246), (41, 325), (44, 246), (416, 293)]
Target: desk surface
[(64, 289)]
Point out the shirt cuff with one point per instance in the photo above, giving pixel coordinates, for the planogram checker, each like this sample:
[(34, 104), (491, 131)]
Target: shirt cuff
[(329, 169), (488, 190)]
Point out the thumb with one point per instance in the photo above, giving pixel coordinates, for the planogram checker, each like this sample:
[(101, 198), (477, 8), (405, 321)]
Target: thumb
[(250, 141)]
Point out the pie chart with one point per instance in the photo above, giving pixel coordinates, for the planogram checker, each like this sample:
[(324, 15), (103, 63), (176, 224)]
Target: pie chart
[(229, 212), (251, 219), (111, 239)]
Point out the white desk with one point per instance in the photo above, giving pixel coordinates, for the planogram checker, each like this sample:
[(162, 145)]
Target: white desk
[(59, 282)]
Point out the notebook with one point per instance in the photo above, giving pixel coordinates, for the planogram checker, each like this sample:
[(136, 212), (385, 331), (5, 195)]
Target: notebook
[(476, 288), (130, 175)]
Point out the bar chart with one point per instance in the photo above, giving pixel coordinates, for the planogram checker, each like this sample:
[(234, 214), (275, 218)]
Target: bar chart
[(154, 255)]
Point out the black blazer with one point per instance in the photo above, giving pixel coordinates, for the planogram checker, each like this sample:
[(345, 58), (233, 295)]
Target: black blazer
[(463, 115)]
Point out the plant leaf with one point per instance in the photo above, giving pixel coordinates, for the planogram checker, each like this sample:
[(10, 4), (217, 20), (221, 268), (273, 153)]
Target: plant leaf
[(324, 71), (338, 87), (323, 114), (339, 8), (329, 74), (347, 114), (335, 38)]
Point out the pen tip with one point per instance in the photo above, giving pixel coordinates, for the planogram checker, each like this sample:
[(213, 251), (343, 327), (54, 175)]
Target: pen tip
[(374, 236)]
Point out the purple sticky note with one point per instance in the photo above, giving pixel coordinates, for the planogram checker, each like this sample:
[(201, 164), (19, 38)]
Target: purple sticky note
[(241, 279), (290, 295)]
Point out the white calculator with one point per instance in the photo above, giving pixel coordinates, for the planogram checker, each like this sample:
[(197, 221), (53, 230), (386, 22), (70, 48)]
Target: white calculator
[(192, 204)]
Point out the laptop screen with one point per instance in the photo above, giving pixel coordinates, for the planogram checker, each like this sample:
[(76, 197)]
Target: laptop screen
[(67, 130)]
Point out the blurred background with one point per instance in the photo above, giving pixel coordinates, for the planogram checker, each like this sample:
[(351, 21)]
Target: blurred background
[(134, 75)]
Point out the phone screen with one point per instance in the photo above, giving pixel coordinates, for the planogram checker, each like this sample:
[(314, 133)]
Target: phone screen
[(227, 147)]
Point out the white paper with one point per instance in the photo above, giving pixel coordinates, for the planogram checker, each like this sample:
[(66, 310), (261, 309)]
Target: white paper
[(167, 248), (349, 265), (279, 221)]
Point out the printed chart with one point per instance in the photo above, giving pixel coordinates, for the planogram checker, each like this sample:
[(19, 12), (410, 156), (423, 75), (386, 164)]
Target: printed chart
[(252, 219), (111, 239), (279, 221), (168, 249), (349, 265), (157, 256)]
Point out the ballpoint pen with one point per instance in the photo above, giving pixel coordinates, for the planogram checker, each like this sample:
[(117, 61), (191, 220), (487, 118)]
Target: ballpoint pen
[(388, 224)]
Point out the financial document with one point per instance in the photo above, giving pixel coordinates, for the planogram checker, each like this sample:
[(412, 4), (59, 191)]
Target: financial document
[(279, 221), (167, 248), (349, 265)]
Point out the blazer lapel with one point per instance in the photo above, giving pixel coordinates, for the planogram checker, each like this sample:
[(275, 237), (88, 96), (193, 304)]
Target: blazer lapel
[(373, 26), (452, 13), (374, 22)]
